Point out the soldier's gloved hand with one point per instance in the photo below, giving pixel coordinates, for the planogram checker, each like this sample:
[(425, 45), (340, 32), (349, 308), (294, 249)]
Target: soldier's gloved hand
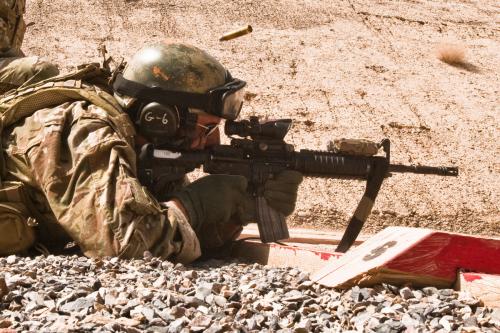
[(213, 199), (281, 192)]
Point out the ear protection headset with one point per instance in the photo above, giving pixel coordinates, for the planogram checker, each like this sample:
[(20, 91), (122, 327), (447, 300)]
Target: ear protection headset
[(156, 120), (159, 123)]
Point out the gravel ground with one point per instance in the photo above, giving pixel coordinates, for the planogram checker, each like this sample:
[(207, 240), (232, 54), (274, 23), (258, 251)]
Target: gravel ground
[(77, 294)]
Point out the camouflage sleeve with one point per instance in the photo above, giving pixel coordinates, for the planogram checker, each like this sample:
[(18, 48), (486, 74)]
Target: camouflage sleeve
[(86, 171), (18, 71)]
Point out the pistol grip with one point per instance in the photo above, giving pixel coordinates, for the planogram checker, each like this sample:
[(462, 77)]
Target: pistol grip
[(272, 224)]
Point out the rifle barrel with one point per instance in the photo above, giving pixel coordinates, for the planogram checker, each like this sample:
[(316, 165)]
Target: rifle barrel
[(423, 169)]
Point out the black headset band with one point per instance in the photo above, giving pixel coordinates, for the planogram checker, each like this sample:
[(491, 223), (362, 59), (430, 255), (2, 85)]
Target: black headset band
[(157, 94)]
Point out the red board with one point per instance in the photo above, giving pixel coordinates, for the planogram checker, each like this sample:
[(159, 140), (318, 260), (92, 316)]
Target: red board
[(401, 255), (307, 257)]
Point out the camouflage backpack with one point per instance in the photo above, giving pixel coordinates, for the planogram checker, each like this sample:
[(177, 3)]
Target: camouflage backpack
[(12, 26), (16, 216)]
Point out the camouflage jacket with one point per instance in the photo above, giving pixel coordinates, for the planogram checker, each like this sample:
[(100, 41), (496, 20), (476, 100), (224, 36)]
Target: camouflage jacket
[(77, 161)]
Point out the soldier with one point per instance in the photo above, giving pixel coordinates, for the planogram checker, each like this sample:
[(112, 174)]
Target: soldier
[(15, 68), (69, 171)]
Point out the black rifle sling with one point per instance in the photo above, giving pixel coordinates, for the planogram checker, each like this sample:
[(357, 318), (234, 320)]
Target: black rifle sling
[(365, 206)]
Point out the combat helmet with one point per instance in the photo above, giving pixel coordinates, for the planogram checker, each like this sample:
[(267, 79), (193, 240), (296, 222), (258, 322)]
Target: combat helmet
[(12, 25), (171, 80)]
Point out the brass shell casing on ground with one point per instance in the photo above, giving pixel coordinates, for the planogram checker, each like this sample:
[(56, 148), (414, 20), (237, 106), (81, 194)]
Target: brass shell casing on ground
[(236, 33)]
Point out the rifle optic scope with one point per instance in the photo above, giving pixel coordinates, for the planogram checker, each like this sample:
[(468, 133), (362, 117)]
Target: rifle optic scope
[(274, 129)]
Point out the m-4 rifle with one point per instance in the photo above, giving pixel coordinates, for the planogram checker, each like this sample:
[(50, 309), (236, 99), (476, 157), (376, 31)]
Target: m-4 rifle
[(261, 152)]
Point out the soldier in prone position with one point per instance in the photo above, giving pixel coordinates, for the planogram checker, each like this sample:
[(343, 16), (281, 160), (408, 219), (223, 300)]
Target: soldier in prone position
[(69, 171), (16, 69)]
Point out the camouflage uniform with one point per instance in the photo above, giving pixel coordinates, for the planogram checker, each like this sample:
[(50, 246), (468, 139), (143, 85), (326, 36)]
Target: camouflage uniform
[(78, 164), (15, 69)]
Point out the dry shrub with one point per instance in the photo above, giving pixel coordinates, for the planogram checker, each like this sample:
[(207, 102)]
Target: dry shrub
[(451, 54), (454, 55)]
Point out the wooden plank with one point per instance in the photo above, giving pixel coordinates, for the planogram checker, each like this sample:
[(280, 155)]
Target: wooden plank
[(421, 257), (302, 235), (309, 259), (485, 287)]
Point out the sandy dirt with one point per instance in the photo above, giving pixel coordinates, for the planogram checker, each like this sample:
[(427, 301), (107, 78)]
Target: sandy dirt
[(356, 69)]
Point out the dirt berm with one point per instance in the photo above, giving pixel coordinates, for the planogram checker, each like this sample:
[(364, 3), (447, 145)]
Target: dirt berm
[(355, 69)]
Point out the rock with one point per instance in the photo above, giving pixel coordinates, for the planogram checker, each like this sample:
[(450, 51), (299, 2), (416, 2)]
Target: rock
[(305, 285), (96, 284), (5, 323), (160, 281), (158, 329), (148, 313), (145, 295), (470, 329), (192, 301), (443, 310), (4, 290), (409, 322), (200, 323), (366, 293), (214, 328), (131, 304), (11, 259), (444, 293), (495, 316), (203, 309), (110, 299), (220, 300), (128, 322), (360, 320), (137, 314), (178, 311), (406, 293), (294, 296), (445, 323), (177, 325), (430, 291), (203, 290), (434, 323), (417, 294), (190, 275), (356, 294), (80, 304), (388, 310), (35, 297)]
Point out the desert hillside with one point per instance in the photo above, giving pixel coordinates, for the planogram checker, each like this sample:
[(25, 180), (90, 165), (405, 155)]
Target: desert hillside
[(354, 69)]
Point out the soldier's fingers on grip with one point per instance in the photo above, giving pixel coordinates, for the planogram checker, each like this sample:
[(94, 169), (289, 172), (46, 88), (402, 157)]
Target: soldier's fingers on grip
[(281, 197), (286, 208), (276, 186), (223, 182), (238, 183), (241, 183), (289, 177)]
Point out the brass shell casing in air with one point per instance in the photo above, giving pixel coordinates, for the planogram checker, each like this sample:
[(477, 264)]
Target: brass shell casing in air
[(236, 33)]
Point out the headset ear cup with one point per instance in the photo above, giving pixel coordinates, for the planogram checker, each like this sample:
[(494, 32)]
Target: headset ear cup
[(156, 121)]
